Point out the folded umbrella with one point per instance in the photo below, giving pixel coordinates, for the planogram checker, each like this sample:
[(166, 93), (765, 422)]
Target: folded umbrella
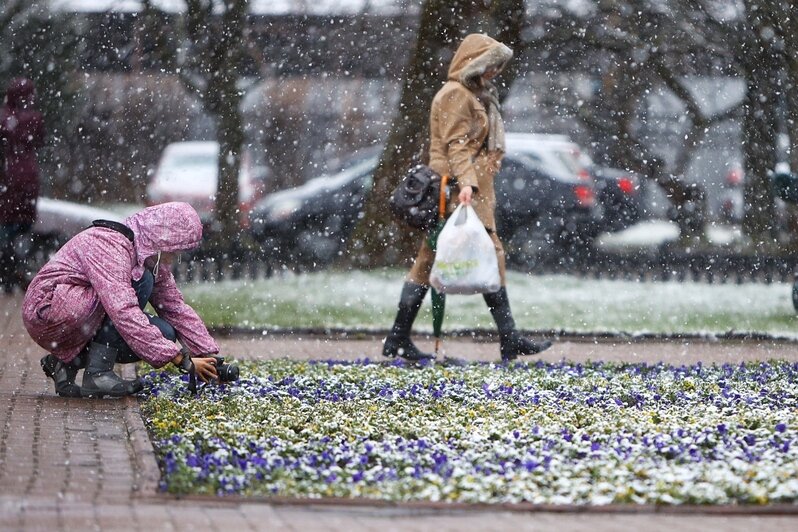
[(438, 299)]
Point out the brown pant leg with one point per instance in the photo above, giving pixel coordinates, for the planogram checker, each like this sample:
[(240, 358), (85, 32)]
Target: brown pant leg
[(419, 273), (497, 245)]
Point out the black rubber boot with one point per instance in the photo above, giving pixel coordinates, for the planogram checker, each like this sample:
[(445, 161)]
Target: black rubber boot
[(99, 378), (398, 342), (5, 272), (512, 344), (63, 375)]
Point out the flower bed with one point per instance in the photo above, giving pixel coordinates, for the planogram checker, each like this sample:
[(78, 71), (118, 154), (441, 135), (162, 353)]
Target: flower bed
[(592, 433)]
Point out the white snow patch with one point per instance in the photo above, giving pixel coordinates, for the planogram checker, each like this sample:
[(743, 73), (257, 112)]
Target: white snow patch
[(653, 233)]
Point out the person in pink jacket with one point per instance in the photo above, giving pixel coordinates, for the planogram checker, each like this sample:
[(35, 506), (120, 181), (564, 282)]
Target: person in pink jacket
[(86, 305)]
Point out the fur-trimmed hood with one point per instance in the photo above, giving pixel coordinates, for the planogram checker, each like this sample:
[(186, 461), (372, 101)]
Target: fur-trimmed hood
[(475, 55)]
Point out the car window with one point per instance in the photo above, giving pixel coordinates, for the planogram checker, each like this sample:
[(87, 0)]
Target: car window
[(183, 161), (548, 162), (570, 160), (351, 174)]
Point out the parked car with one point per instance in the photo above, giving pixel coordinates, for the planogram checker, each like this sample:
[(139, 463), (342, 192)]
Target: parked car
[(543, 206), (545, 198), (618, 191), (188, 171), (731, 197), (310, 223)]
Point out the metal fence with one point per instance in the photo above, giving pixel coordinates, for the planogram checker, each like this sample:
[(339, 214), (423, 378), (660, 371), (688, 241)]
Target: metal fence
[(704, 267), (708, 268)]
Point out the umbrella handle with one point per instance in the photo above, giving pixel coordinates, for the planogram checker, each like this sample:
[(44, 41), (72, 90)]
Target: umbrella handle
[(442, 199)]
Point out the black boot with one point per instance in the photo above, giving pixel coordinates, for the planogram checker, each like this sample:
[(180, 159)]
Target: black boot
[(512, 344), (63, 375), (5, 272), (398, 343), (99, 378)]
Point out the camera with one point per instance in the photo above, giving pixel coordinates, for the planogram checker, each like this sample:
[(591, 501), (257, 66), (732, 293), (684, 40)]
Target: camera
[(226, 372)]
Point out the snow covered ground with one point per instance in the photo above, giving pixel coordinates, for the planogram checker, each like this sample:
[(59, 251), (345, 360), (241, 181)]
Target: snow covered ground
[(547, 303)]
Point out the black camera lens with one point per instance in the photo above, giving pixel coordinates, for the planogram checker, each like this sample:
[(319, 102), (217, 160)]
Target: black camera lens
[(227, 372)]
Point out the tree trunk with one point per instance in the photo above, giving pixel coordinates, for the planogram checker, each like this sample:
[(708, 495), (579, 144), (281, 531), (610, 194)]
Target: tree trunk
[(759, 54), (791, 53), (378, 240), (231, 138), (759, 149), (219, 40)]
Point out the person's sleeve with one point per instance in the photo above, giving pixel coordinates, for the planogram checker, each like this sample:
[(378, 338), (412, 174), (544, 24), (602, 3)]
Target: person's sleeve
[(456, 123), (107, 267), (168, 302), (41, 132)]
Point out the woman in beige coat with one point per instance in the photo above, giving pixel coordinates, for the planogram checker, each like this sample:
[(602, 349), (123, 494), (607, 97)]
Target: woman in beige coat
[(467, 144)]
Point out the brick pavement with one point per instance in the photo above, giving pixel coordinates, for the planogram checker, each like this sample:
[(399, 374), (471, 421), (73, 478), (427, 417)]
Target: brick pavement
[(75, 464)]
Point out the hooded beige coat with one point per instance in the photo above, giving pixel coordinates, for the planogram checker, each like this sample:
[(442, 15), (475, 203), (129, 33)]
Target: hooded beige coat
[(460, 123)]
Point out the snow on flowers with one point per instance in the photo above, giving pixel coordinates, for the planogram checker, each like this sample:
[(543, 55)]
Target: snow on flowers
[(593, 433)]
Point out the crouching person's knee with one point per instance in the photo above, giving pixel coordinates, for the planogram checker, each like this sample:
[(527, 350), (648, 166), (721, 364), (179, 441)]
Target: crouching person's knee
[(165, 327)]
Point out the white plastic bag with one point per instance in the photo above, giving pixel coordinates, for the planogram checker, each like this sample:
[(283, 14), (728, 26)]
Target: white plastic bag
[(465, 259)]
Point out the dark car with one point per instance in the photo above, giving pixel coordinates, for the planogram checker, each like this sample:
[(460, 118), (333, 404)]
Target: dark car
[(543, 206), (545, 199), (310, 223)]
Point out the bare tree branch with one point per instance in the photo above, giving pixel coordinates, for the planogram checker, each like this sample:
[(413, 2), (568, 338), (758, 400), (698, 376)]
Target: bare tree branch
[(10, 12)]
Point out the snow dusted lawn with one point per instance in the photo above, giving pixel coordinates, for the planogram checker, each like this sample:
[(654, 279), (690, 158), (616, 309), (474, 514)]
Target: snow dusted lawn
[(551, 303)]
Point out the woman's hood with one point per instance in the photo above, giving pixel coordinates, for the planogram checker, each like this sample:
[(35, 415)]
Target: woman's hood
[(168, 227), (477, 54)]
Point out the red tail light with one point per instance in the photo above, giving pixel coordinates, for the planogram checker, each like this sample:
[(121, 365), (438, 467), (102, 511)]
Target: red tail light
[(584, 195), (734, 177), (243, 213), (626, 185)]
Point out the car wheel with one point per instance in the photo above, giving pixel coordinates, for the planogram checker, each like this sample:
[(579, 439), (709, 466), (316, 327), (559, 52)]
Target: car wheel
[(530, 247), (317, 249)]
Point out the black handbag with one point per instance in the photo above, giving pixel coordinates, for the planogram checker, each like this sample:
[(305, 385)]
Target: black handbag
[(415, 200)]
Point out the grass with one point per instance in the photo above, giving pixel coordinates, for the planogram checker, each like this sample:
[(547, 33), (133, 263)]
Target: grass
[(368, 300)]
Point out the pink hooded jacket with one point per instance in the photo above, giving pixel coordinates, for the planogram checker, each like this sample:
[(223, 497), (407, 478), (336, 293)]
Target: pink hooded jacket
[(90, 277)]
